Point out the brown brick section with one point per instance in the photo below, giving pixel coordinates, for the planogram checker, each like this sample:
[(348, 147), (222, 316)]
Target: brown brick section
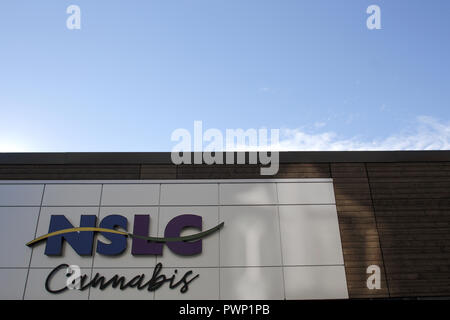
[(297, 170), (69, 172), (358, 226), (164, 171), (412, 207)]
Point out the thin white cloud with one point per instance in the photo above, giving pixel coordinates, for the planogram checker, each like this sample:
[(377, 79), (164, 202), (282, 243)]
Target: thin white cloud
[(428, 134)]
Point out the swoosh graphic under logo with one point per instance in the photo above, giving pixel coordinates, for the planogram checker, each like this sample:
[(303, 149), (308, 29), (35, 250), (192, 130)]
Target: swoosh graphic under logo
[(154, 239)]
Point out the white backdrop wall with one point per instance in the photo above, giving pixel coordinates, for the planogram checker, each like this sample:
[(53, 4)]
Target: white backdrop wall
[(280, 239)]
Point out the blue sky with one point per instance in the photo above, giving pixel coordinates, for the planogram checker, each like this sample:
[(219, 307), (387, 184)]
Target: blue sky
[(137, 70)]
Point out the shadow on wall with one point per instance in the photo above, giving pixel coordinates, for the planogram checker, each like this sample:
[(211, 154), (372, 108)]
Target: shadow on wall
[(249, 243), (357, 224)]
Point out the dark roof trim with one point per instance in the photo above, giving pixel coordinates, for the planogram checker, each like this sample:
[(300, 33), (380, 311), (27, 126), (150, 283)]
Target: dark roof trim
[(164, 157)]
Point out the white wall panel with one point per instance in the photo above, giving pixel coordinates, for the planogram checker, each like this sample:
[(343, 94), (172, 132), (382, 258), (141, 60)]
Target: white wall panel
[(189, 194), (318, 282), (12, 283), (21, 195), (251, 283), (250, 236), (247, 193), (130, 194), (72, 195), (310, 235), (17, 227), (306, 193)]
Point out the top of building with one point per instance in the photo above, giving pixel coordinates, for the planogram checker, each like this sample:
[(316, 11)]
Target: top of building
[(164, 157)]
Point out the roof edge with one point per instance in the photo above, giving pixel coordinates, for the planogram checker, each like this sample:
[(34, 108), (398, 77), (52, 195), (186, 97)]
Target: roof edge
[(164, 157)]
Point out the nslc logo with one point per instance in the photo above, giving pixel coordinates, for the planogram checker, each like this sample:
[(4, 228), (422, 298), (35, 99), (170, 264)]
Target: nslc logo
[(81, 239)]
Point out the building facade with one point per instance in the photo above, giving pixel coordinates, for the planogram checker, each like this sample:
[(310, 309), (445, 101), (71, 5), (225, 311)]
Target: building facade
[(328, 225)]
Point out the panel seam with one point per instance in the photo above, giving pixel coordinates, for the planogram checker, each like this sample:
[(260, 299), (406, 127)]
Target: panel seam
[(32, 249), (93, 249), (281, 245)]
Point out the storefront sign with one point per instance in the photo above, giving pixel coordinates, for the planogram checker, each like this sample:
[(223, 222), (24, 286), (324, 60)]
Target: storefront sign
[(171, 239)]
